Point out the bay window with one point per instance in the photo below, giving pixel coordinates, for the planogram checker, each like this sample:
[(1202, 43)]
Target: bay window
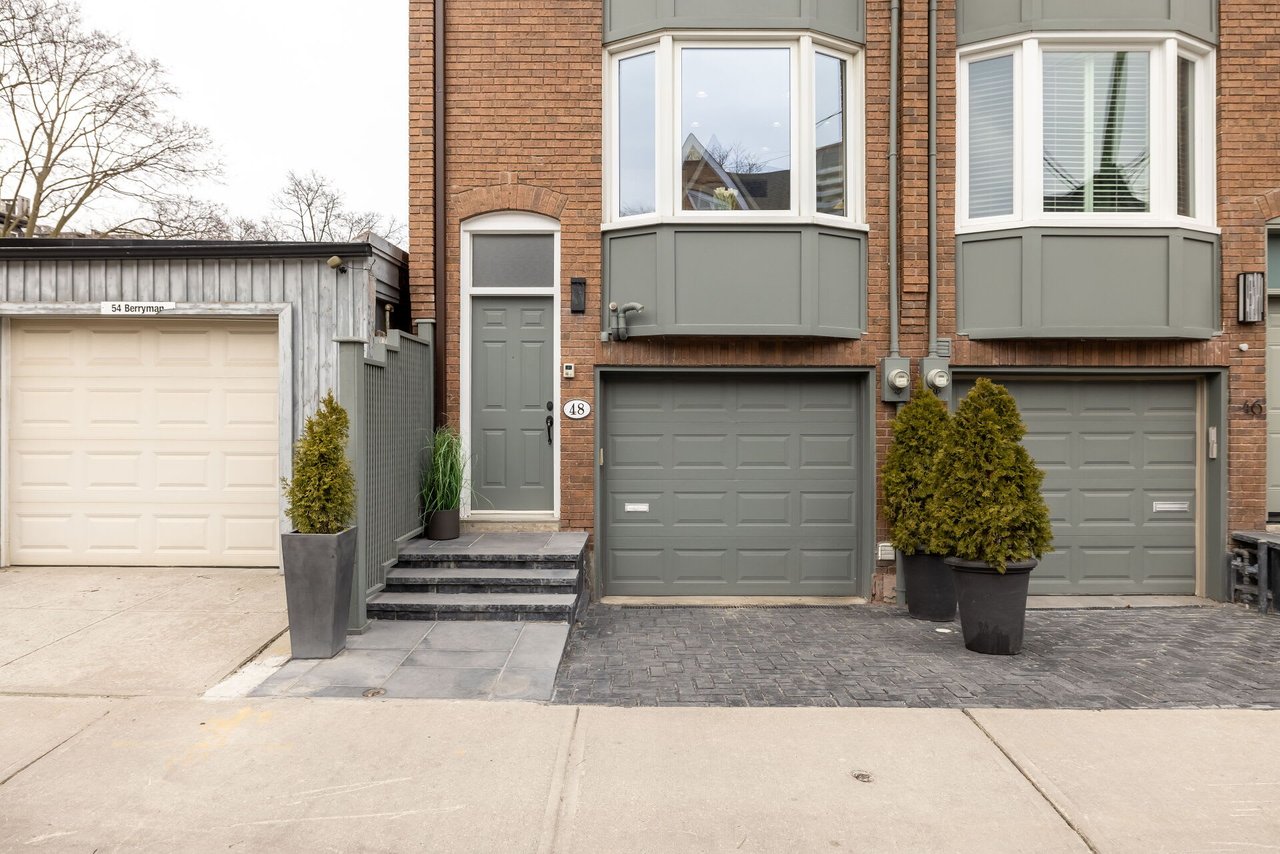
[(1086, 130), (742, 130)]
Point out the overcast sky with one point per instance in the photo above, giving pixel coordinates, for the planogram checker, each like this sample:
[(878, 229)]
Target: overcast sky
[(285, 84)]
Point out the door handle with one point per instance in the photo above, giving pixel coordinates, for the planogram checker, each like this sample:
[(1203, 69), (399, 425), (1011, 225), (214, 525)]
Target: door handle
[(550, 422)]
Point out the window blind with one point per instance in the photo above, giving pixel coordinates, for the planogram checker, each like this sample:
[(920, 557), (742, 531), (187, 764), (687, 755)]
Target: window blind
[(991, 135)]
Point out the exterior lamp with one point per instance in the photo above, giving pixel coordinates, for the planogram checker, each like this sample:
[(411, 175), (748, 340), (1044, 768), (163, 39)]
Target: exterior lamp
[(1251, 290)]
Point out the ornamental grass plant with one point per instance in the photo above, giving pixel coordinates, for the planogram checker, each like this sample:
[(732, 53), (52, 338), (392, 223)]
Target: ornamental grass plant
[(987, 504), (322, 494), (443, 476), (909, 475)]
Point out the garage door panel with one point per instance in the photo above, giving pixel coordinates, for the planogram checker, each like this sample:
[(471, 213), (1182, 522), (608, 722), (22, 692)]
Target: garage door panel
[(1112, 451), (737, 486), (172, 431)]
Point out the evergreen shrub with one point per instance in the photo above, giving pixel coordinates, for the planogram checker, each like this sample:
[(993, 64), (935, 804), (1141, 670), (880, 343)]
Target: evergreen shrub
[(987, 505), (322, 494), (909, 473)]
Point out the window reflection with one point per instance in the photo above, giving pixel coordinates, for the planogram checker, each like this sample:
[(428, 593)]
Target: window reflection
[(736, 129), (637, 136), (829, 134)]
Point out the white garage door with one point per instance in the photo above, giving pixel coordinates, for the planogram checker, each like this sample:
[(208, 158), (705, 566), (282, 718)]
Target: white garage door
[(149, 442)]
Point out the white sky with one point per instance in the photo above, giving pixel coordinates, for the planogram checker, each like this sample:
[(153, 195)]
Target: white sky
[(284, 84)]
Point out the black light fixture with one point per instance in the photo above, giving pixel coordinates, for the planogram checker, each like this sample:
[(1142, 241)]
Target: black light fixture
[(1251, 290), (578, 295)]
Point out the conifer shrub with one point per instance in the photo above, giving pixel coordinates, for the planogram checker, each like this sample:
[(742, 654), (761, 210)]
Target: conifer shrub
[(908, 477), (322, 494), (987, 504)]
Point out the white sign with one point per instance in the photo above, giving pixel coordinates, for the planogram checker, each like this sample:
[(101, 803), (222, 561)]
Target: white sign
[(577, 409), (136, 309), (635, 508)]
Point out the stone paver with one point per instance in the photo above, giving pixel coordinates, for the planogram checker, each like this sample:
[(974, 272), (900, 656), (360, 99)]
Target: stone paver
[(1210, 657), (467, 660)]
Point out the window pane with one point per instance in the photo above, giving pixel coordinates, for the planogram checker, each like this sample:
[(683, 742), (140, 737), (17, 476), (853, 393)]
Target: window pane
[(1186, 137), (991, 135), (1096, 148), (735, 124), (513, 261), (829, 101), (637, 136)]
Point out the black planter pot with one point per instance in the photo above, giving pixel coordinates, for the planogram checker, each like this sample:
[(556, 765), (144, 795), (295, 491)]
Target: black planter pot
[(993, 607), (931, 587), (443, 525), (317, 586)]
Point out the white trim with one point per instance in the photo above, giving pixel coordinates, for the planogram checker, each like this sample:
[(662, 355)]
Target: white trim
[(825, 220), (1163, 50), (214, 311), (506, 223), (803, 48)]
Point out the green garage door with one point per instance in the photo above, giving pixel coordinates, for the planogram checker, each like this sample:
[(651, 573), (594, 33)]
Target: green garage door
[(731, 485), (1120, 481)]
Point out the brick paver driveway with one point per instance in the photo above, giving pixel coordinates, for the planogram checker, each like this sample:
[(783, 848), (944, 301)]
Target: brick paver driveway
[(877, 656)]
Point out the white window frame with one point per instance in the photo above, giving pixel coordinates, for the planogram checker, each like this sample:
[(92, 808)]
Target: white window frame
[(1028, 207), (803, 47)]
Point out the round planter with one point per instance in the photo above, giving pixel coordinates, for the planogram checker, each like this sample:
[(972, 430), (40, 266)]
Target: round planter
[(443, 525), (993, 607), (931, 587)]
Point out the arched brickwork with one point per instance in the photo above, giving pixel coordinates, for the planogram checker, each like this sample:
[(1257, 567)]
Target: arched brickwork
[(509, 197)]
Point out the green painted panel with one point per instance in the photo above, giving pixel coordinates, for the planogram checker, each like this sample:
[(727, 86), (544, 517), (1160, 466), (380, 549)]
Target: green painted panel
[(724, 278), (1121, 281), (839, 277), (1119, 458), (980, 20), (731, 484), (843, 19), (741, 280), (1090, 283), (995, 298)]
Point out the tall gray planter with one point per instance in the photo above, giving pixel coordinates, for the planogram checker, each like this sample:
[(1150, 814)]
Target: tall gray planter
[(317, 584)]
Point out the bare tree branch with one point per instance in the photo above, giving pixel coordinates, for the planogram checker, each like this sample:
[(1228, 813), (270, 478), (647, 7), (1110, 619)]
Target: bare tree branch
[(84, 120)]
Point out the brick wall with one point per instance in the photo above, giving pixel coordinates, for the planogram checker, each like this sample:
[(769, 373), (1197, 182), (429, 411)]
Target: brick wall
[(524, 133)]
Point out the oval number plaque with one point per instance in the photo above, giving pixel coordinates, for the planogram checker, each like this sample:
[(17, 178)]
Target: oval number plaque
[(577, 409)]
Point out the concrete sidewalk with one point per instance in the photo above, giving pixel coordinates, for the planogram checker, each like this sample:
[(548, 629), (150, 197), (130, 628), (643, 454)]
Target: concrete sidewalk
[(387, 775)]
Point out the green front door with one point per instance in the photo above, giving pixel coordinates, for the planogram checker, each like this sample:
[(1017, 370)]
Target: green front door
[(512, 402)]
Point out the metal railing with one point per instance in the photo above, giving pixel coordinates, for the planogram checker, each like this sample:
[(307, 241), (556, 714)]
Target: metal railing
[(388, 394)]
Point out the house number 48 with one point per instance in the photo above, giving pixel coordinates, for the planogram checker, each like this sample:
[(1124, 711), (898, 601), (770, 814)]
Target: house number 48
[(577, 409)]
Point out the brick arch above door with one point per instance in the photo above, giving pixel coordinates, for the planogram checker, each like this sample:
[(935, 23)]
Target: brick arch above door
[(509, 197)]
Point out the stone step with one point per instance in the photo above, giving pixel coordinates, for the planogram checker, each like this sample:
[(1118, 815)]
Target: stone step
[(561, 550), (483, 580), (474, 606)]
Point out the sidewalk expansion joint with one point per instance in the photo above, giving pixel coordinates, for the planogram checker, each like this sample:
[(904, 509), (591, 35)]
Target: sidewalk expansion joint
[(562, 800), (968, 713), (55, 747)]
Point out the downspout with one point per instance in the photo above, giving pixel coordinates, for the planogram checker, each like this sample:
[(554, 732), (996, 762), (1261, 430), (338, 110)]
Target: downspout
[(439, 218), (933, 178), (895, 15), (895, 46)]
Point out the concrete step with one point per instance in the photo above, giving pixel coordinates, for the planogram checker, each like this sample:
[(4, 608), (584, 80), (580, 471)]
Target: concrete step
[(420, 579), (474, 606)]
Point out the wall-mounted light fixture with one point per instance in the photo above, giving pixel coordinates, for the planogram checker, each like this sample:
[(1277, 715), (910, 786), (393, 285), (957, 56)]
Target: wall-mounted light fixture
[(578, 295), (1251, 290), (335, 262)]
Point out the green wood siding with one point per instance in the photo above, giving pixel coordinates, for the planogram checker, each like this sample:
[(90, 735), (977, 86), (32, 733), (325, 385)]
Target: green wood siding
[(980, 20), (844, 19)]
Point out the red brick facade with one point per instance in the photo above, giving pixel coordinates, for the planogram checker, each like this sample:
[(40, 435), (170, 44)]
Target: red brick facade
[(524, 132)]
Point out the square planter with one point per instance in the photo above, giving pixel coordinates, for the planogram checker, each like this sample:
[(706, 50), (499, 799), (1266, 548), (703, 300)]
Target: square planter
[(318, 569)]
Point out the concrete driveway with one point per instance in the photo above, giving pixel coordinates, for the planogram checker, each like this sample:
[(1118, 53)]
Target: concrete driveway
[(126, 632)]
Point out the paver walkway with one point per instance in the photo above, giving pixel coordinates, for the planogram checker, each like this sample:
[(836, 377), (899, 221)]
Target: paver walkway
[(467, 660), (1208, 657)]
